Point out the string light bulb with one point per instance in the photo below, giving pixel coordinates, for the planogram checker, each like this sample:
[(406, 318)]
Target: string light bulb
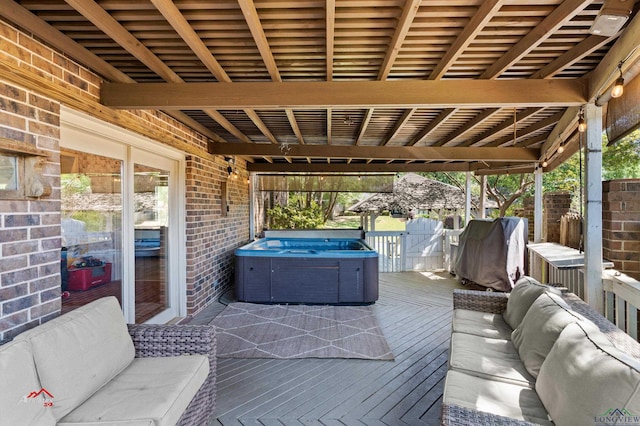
[(560, 149), (582, 125), (618, 87), (544, 163)]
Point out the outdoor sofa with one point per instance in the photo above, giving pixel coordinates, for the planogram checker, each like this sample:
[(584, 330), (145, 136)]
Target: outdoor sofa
[(537, 356), (88, 367)]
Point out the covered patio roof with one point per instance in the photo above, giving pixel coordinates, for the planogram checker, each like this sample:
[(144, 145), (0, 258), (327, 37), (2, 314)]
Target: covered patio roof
[(340, 85)]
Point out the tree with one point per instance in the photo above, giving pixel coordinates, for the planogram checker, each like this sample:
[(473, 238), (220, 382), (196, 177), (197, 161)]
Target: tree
[(622, 159), (507, 189)]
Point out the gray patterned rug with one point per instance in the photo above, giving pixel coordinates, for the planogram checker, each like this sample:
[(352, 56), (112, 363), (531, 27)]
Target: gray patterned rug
[(247, 330)]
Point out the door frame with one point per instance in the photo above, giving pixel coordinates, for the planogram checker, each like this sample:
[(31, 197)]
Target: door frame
[(81, 132)]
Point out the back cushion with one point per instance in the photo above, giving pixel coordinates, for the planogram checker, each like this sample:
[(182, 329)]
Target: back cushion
[(525, 291), (21, 399), (77, 353), (540, 328), (584, 377)]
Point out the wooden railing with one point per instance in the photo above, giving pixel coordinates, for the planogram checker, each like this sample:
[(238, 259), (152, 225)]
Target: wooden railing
[(622, 299), (553, 263), (391, 248)]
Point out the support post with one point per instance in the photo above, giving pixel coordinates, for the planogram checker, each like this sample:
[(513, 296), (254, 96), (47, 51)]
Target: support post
[(252, 208), (537, 206), (593, 209), (467, 199), (483, 197)]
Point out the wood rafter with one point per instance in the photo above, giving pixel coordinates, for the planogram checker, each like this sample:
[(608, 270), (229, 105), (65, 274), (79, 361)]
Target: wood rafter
[(549, 25), (376, 152), (173, 15), (253, 20), (483, 15)]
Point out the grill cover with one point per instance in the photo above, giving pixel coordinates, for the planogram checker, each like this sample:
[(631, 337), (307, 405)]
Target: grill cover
[(492, 253)]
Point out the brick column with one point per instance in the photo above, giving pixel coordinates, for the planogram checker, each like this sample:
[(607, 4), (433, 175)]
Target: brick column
[(621, 225), (555, 205)]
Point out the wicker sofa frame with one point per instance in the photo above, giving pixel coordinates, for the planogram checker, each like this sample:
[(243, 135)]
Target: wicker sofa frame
[(496, 303), (175, 340)]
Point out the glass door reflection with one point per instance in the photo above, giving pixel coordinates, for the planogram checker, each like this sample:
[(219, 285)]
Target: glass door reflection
[(151, 230)]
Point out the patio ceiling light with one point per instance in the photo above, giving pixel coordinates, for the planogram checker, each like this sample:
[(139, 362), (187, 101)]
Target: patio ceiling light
[(618, 88), (582, 125), (611, 18)]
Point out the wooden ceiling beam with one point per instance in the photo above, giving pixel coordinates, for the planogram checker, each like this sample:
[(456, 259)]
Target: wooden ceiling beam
[(478, 119), (364, 125), (483, 15), (107, 24), (346, 94), (330, 28), (406, 116), (103, 20), (434, 124), (548, 26), (377, 152), (179, 23), (19, 15), (366, 167), (409, 12), (537, 126)]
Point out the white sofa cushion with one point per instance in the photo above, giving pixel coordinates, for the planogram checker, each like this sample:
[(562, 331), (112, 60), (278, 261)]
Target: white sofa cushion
[(584, 376), (540, 328), (79, 352), (480, 324), (525, 291), (493, 396), (18, 386), (495, 359), (150, 391)]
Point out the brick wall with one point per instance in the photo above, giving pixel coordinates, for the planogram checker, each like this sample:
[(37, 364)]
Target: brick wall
[(30, 229), (621, 225), (555, 204)]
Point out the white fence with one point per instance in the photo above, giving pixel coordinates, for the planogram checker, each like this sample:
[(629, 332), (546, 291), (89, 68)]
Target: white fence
[(419, 248)]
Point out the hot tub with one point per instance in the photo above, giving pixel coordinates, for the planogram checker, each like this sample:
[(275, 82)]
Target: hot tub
[(307, 270)]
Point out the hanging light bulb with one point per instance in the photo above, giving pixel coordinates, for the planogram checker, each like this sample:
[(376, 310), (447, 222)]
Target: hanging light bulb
[(582, 125), (618, 87), (560, 149), (544, 163)]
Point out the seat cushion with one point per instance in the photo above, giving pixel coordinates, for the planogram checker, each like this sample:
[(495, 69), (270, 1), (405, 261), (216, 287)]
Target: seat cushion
[(20, 403), (493, 396), (150, 391), (481, 324), (540, 328), (525, 291), (79, 352), (490, 358), (584, 377)]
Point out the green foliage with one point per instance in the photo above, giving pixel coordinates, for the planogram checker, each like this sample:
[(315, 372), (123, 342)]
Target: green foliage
[(622, 159), (293, 216), (74, 183)]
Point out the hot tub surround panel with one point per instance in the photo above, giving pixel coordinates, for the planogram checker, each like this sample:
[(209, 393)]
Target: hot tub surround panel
[(307, 270)]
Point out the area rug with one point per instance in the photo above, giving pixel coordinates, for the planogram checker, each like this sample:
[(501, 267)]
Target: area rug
[(247, 330)]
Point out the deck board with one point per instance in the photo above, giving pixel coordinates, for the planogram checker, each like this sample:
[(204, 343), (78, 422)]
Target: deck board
[(414, 311)]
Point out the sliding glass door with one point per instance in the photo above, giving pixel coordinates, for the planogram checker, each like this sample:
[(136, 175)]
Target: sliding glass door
[(123, 196)]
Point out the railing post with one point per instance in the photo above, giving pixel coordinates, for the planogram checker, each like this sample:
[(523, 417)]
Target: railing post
[(403, 252)]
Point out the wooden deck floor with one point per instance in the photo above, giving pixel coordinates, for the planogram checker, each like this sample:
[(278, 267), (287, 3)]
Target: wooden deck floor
[(414, 311)]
